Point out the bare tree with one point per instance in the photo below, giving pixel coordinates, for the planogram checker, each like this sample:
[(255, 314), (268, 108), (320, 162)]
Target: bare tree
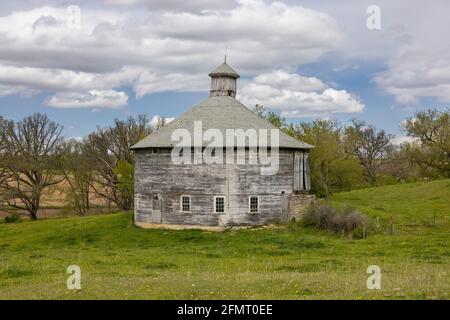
[(2, 148), (161, 122), (32, 146), (105, 148), (368, 145), (3, 157), (77, 170), (260, 110)]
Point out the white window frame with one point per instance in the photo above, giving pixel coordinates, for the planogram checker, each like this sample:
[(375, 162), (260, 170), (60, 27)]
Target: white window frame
[(224, 204), (250, 204), (181, 202)]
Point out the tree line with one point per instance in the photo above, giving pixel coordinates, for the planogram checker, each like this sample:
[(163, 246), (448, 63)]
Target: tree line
[(359, 155), (35, 156)]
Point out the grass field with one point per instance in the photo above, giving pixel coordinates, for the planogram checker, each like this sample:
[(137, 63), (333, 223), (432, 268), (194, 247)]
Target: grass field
[(121, 261)]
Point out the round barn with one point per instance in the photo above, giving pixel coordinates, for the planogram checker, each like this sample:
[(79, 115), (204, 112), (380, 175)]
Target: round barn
[(174, 184)]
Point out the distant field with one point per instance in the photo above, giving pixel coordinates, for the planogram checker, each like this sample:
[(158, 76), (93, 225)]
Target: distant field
[(54, 204), (121, 261)]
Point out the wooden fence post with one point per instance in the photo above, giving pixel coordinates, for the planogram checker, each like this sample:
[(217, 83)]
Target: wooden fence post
[(434, 218), (391, 227)]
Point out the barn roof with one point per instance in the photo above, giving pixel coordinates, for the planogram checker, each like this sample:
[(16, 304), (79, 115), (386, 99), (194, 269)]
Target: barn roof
[(216, 112), (224, 70)]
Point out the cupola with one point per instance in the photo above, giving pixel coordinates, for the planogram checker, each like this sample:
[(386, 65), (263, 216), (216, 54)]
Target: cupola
[(223, 81)]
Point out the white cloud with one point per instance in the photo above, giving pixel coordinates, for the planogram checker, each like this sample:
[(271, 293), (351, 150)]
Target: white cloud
[(176, 5), (151, 82), (157, 119), (91, 99), (154, 50), (415, 74), (75, 138), (410, 46), (403, 139), (297, 96)]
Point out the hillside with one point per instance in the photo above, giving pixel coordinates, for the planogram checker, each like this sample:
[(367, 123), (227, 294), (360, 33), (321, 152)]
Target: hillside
[(118, 260), (409, 204)]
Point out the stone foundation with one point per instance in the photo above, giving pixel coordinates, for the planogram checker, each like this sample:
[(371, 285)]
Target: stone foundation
[(298, 203)]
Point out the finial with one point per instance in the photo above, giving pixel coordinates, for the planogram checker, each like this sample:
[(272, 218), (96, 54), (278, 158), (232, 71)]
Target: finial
[(226, 48)]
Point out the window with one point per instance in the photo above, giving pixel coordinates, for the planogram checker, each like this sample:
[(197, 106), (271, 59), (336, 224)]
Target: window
[(253, 204), (219, 204), (186, 203)]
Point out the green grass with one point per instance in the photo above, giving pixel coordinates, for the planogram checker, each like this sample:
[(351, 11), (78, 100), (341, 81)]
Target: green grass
[(119, 260), (408, 205)]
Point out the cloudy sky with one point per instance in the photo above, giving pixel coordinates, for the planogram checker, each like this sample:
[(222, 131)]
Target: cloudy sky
[(87, 62)]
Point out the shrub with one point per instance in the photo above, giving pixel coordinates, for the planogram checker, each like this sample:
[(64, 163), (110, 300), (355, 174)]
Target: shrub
[(13, 218), (342, 220)]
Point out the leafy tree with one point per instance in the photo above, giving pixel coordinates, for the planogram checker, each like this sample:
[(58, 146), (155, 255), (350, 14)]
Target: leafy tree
[(125, 176), (276, 120), (398, 165), (331, 168), (32, 147), (368, 145), (431, 129)]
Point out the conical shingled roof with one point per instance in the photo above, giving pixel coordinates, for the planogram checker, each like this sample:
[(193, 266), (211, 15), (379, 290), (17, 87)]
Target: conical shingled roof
[(224, 70), (218, 112)]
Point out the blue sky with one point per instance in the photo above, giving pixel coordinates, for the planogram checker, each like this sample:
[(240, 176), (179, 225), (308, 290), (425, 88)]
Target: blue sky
[(302, 59)]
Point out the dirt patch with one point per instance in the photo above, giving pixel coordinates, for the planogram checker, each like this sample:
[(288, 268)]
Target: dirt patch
[(183, 227)]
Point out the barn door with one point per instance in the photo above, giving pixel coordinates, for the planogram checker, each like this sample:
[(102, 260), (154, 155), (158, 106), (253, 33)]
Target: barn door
[(298, 171), (307, 178), (156, 210), (284, 207)]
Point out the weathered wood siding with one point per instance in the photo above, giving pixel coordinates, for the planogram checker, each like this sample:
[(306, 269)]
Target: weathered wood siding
[(157, 178), (222, 86)]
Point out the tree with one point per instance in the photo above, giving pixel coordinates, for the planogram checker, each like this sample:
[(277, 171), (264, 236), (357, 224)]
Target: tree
[(431, 130), (3, 153), (32, 147), (368, 145), (276, 120), (260, 110), (125, 176), (160, 122), (331, 168), (77, 170), (105, 148)]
